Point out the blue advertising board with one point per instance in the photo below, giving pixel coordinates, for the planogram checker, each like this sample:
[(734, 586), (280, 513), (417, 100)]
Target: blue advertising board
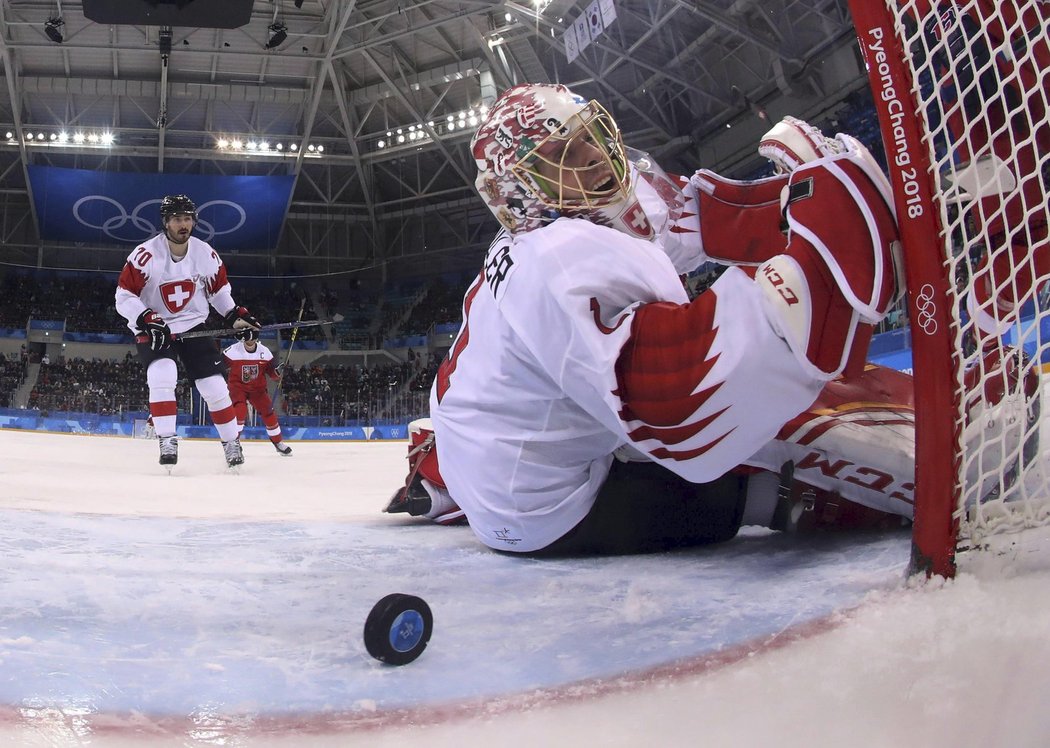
[(82, 205)]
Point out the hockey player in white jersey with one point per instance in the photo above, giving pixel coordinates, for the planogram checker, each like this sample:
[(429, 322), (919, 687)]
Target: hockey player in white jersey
[(579, 341), (166, 288)]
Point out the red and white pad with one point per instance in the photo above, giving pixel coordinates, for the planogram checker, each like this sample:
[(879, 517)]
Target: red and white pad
[(838, 275), (422, 457), (856, 444), (424, 473)]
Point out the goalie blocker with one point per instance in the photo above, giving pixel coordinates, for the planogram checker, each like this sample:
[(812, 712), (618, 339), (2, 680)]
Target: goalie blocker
[(837, 277)]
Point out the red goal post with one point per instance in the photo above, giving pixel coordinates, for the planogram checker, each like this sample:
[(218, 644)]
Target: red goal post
[(962, 92)]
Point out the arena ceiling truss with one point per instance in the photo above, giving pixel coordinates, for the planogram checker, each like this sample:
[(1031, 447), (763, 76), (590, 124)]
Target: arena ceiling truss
[(345, 75)]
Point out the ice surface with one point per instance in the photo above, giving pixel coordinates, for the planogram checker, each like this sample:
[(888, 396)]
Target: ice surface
[(211, 608)]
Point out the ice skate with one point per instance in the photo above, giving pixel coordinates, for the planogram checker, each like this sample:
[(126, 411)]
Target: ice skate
[(169, 451), (416, 501), (283, 449), (234, 453), (412, 499)]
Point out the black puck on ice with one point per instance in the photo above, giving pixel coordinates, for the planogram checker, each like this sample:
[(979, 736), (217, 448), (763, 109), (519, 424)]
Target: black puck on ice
[(398, 628)]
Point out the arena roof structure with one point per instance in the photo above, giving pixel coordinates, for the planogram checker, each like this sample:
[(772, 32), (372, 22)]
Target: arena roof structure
[(368, 104)]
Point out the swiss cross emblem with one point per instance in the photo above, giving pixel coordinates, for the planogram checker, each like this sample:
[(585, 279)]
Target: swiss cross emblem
[(177, 294), (637, 221), (249, 373)]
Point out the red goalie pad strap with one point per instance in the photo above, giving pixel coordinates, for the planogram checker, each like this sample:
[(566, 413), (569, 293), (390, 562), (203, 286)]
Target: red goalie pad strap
[(660, 366), (740, 222)]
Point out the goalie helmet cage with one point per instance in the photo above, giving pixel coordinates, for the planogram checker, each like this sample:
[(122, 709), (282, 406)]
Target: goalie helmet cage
[(962, 95)]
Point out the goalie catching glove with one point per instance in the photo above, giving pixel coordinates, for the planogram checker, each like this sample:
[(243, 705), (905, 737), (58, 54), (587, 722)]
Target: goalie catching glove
[(155, 330), (244, 322), (838, 276)]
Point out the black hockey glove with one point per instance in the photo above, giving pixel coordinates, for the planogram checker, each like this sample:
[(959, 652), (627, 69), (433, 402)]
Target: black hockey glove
[(248, 325), (155, 328)]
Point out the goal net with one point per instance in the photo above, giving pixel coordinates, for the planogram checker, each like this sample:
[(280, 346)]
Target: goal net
[(962, 91), (143, 429)]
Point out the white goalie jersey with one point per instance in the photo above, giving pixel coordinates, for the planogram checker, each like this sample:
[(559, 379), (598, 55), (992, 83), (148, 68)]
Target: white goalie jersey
[(571, 346)]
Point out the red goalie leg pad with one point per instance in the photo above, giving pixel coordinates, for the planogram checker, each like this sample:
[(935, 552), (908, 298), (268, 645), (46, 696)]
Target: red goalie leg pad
[(422, 457), (838, 275), (740, 222)]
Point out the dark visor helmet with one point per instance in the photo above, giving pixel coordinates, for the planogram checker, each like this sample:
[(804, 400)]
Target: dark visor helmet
[(175, 205)]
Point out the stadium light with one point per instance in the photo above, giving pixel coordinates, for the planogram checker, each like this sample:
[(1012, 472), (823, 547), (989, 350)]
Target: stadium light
[(278, 34), (53, 29)]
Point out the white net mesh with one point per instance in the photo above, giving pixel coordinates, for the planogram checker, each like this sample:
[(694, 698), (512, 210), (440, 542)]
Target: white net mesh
[(143, 429), (980, 81)]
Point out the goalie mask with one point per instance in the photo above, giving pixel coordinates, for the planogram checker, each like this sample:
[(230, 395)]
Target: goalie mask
[(544, 152)]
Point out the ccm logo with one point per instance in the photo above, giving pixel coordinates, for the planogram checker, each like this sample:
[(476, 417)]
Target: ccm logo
[(777, 281), (870, 478)]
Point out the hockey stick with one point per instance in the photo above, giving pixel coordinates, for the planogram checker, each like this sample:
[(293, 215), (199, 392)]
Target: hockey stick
[(287, 356), (265, 328)]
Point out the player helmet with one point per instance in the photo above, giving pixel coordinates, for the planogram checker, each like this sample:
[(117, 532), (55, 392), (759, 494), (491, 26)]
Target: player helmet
[(173, 205), (532, 127)]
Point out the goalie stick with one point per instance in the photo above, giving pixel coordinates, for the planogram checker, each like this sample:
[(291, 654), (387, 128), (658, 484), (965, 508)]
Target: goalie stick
[(265, 328)]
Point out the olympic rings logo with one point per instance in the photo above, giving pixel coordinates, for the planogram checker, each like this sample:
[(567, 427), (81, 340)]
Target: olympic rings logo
[(925, 308), (111, 226)]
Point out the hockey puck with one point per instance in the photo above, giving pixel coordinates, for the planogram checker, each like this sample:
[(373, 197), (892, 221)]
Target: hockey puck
[(398, 628)]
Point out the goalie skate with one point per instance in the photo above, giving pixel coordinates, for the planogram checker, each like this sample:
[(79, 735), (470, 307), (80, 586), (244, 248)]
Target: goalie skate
[(424, 493)]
